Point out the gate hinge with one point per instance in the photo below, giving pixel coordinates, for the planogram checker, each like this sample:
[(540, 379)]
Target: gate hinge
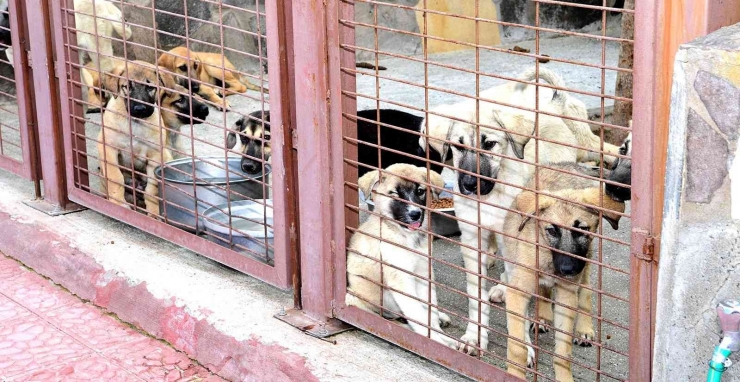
[(648, 249)]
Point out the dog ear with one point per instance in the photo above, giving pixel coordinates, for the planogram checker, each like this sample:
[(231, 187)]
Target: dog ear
[(167, 60), (231, 137), (112, 81), (231, 140), (527, 202), (368, 182), (435, 179), (595, 196), (516, 146), (168, 81)]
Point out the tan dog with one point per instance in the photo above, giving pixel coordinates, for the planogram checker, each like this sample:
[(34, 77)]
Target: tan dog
[(403, 229), (570, 236), (133, 115), (205, 74), (94, 33)]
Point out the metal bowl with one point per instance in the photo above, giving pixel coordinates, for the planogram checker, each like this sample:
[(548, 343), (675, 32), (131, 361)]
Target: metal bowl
[(197, 184), (443, 219), (249, 222)]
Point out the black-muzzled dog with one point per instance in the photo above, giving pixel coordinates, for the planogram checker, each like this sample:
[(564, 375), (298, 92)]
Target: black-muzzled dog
[(621, 172), (254, 137), (404, 138)]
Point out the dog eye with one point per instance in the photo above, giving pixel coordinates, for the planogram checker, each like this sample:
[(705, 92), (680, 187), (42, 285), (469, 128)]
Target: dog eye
[(489, 145), (623, 150), (552, 230), (266, 137), (420, 192), (151, 89), (393, 193), (183, 67)]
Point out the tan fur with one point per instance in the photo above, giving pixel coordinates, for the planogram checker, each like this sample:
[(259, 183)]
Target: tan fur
[(517, 95), (108, 19), (563, 213), (206, 68), (119, 130), (365, 251)]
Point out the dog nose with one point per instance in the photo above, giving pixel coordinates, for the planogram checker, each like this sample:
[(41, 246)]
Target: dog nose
[(202, 111), (249, 167), (415, 215), (568, 269), (139, 109), (470, 184)]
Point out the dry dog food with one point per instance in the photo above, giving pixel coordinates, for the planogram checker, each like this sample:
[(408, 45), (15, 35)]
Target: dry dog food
[(442, 203)]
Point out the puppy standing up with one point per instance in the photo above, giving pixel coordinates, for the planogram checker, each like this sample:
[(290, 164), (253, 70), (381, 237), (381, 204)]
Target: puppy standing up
[(175, 110), (477, 156), (402, 226), (206, 73), (567, 228), (135, 103)]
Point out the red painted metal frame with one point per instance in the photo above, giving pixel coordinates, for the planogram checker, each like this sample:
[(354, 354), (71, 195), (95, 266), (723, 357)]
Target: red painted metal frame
[(324, 241), (28, 168), (280, 274)]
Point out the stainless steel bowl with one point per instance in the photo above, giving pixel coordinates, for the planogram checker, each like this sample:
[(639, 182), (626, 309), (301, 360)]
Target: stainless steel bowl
[(443, 219), (249, 222), (196, 185)]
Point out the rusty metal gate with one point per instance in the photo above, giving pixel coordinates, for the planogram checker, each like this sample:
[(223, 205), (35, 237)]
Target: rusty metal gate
[(17, 135), (175, 121), (411, 250), (184, 118)]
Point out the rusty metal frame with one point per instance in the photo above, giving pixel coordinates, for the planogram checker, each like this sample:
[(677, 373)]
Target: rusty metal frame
[(68, 71), (29, 166), (319, 67)]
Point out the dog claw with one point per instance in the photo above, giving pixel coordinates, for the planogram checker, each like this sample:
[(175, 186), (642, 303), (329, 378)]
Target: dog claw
[(497, 294), (541, 327), (444, 320), (469, 344), (584, 340)]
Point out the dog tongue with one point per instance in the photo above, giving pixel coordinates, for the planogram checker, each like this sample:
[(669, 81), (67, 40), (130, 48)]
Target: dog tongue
[(415, 226)]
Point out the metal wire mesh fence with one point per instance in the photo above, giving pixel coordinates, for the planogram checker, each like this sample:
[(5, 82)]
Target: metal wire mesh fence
[(481, 163), (169, 115)]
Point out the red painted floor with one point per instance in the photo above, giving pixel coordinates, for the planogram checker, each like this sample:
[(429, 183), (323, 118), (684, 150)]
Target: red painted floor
[(48, 334)]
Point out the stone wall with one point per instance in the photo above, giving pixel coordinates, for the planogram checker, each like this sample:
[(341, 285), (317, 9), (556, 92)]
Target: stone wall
[(700, 240)]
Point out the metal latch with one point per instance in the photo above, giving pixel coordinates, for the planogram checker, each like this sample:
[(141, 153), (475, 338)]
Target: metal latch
[(647, 250)]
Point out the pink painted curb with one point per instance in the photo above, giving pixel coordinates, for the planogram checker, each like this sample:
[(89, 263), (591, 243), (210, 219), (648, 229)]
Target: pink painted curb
[(52, 256)]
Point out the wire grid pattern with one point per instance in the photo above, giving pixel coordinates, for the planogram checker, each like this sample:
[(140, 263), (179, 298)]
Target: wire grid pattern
[(202, 66), (424, 84), (11, 146)]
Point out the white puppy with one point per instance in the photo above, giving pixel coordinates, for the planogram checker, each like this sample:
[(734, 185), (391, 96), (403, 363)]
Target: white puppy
[(94, 34), (401, 284), (480, 158)]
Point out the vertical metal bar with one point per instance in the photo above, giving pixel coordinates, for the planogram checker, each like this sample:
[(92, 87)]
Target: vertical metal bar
[(47, 106), (315, 175), (29, 138), (344, 80), (279, 44)]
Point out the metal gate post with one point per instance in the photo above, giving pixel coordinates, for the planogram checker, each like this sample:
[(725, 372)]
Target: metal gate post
[(660, 27), (47, 101), (314, 134)]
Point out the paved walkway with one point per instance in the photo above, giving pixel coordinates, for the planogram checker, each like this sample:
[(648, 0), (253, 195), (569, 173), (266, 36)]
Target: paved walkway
[(48, 334)]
